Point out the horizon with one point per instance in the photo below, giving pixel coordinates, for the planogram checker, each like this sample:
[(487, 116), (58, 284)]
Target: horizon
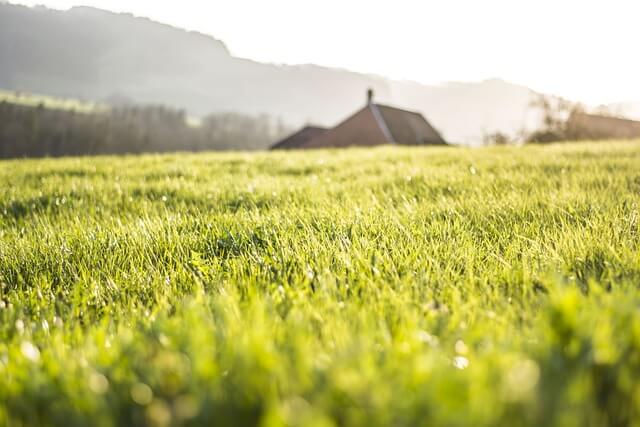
[(521, 59)]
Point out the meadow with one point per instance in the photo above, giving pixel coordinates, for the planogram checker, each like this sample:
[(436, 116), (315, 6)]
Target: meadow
[(360, 287)]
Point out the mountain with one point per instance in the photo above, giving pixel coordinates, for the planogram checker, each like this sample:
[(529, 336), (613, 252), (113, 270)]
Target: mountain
[(97, 55)]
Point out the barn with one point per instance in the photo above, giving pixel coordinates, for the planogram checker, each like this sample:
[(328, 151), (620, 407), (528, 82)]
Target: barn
[(375, 124)]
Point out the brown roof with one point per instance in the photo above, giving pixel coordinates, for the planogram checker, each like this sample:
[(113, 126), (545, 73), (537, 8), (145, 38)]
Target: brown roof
[(593, 126), (373, 125), (359, 129), (408, 127), (299, 138)]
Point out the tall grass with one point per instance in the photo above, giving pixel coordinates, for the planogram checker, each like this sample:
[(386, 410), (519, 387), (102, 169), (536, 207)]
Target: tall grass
[(388, 286)]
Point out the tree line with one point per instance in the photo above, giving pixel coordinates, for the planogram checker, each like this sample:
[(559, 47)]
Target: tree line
[(27, 131)]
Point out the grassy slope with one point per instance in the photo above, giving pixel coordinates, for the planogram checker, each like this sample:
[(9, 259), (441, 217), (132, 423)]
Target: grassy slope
[(392, 286), (34, 100)]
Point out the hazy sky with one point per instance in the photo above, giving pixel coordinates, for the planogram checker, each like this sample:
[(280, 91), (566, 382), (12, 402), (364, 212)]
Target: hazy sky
[(583, 49)]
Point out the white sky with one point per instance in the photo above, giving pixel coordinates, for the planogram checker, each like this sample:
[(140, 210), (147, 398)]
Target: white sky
[(587, 50)]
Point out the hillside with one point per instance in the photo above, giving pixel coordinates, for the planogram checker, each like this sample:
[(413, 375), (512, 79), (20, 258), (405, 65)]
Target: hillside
[(102, 56), (365, 287)]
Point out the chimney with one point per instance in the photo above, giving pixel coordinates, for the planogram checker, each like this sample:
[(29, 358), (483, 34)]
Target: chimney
[(369, 96)]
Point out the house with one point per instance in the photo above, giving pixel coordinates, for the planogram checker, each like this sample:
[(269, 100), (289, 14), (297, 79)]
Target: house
[(592, 126), (375, 124), (299, 138)]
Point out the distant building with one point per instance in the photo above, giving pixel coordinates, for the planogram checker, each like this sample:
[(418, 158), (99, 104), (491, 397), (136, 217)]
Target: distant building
[(299, 138), (374, 124), (591, 126)]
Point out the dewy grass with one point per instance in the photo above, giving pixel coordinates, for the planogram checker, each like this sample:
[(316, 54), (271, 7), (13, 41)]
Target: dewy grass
[(365, 287)]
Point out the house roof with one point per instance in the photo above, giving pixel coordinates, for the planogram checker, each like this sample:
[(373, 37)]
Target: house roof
[(409, 127), (360, 129), (582, 125), (375, 124), (299, 138)]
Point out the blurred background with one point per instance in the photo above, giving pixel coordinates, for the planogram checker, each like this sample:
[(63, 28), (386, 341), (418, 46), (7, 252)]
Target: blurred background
[(111, 76)]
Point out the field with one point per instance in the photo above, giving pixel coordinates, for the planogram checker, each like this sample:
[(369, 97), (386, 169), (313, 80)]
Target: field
[(362, 287)]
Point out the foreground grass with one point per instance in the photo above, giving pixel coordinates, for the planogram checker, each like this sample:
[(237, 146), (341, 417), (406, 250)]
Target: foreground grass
[(391, 286)]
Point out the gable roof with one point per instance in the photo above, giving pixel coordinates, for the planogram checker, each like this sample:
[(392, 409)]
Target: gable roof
[(378, 124), (409, 127), (375, 124), (359, 129), (298, 139)]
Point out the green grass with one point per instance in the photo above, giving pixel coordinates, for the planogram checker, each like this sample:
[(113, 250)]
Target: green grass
[(368, 287)]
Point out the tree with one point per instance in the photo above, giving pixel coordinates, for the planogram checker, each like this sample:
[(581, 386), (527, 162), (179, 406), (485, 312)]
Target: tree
[(555, 115), (497, 138)]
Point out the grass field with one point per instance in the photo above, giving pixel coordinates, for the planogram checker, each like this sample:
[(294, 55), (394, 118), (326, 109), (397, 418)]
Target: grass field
[(368, 287)]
